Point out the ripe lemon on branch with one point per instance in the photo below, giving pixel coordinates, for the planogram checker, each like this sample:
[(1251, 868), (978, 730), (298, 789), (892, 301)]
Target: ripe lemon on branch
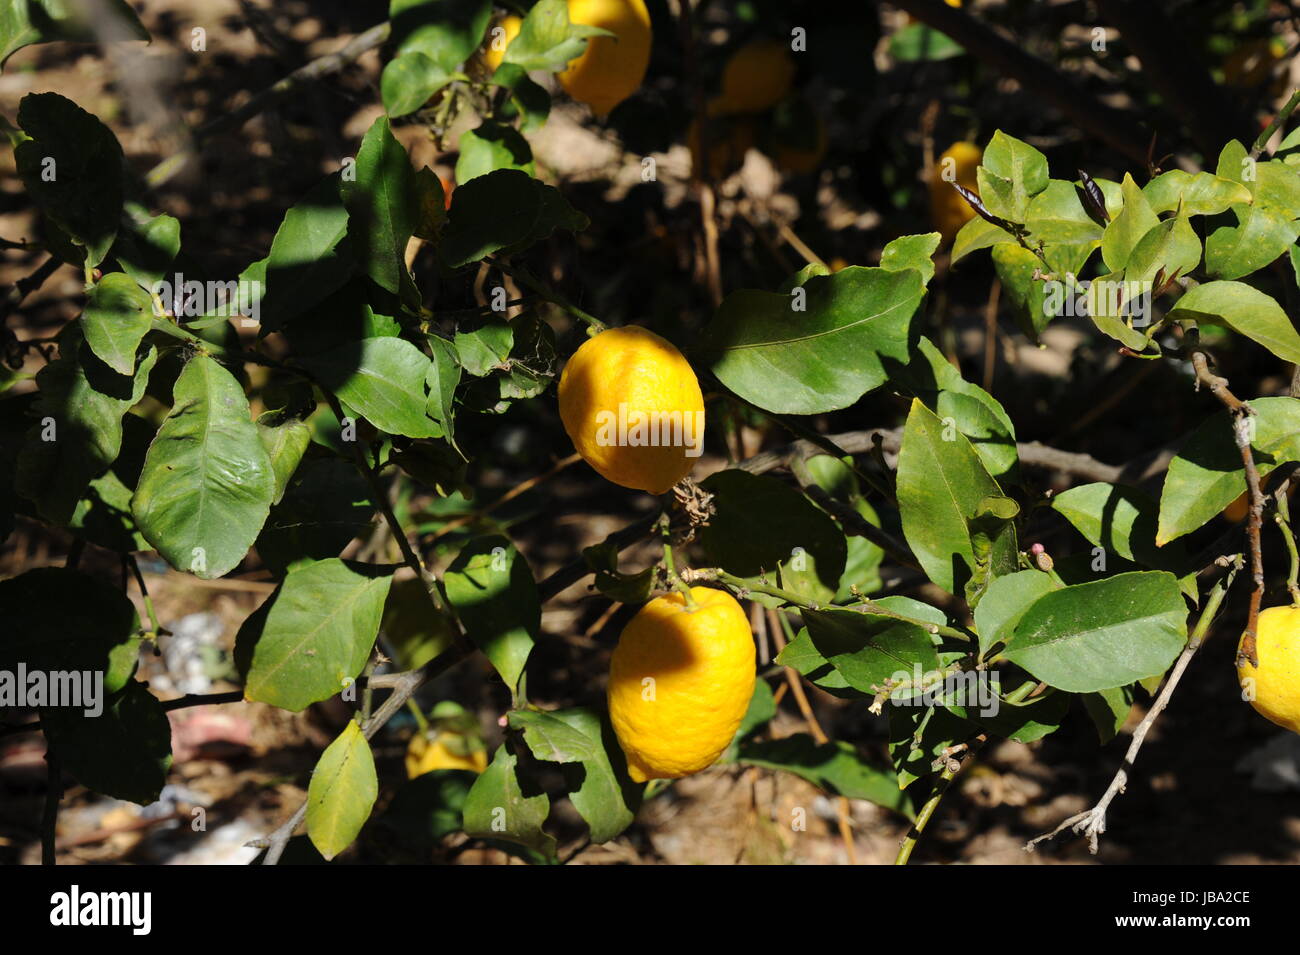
[(680, 682), (633, 408), (611, 68), (1275, 683), (494, 52), (948, 209)]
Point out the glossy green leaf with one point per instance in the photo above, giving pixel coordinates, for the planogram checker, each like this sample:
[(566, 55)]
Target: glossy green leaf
[(1244, 309), (941, 485), (147, 247), (495, 596), (1057, 215), (314, 634), (1122, 520), (408, 81), (1005, 602), (1010, 175), (342, 792), (870, 649), (1125, 230), (285, 445), (326, 504), (1260, 236), (817, 351), (72, 168), (498, 807), (763, 527), (912, 252), (548, 40), (207, 482), (977, 234), (24, 22), (383, 208), (382, 379), (1107, 633), (1206, 475), (504, 211), (310, 256), (1198, 194), (1109, 710), (1019, 270), (489, 147), (117, 316), (445, 31), (1171, 248), (579, 736), (123, 752)]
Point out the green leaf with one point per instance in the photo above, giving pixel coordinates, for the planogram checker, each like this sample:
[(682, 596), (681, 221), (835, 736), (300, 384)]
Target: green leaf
[(1244, 309), (445, 31), (763, 527), (917, 42), (342, 792), (72, 169), (918, 735), (1260, 236), (1005, 602), (835, 768), (285, 445), (327, 504), (580, 736), (912, 252), (1057, 215), (382, 379), (24, 22), (1232, 163), (485, 348), (504, 211), (1171, 247), (442, 378), (1121, 520), (823, 356), (408, 81), (78, 428), (1012, 172), (869, 649), (490, 147), (1019, 269), (56, 618), (1199, 194), (977, 234), (941, 487), (148, 247), (1018, 722), (802, 656), (1106, 633), (499, 808), (428, 808), (123, 752), (314, 634), (548, 40), (1125, 230), (1109, 710), (117, 316), (383, 208), (207, 483), (1206, 475), (978, 415), (310, 257), (495, 596)]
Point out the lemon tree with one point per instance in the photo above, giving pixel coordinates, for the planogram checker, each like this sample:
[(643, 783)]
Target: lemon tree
[(347, 399)]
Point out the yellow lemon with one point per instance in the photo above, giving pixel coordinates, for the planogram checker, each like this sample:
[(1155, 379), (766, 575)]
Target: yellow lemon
[(494, 50), (633, 408), (447, 751), (1275, 684), (729, 140), (948, 209), (611, 68), (757, 77), (680, 682)]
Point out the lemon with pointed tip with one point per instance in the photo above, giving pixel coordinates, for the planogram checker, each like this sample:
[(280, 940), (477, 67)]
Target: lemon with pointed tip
[(680, 681), (633, 408), (948, 210), (1274, 686), (611, 68), (757, 77)]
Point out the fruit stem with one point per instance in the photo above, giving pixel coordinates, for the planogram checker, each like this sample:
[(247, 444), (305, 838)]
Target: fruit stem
[(1283, 518), (670, 566)]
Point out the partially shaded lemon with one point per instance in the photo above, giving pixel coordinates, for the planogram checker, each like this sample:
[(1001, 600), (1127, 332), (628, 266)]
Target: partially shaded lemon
[(424, 755), (494, 50), (632, 406), (611, 68), (680, 682), (948, 210), (757, 77), (1275, 683)]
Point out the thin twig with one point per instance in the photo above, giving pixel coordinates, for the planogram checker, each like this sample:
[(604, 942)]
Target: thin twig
[(951, 768), (1092, 823)]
